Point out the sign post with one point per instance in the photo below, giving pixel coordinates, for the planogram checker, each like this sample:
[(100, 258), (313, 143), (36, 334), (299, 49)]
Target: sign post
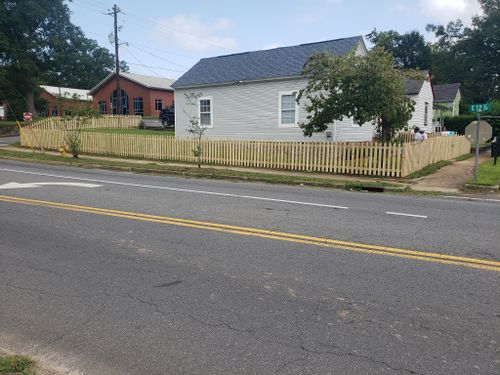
[(478, 108)]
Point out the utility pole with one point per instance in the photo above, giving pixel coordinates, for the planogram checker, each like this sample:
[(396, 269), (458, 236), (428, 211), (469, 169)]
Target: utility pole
[(115, 12)]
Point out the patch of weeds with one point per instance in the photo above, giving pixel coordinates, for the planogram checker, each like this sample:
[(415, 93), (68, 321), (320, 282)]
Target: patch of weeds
[(16, 364), (430, 169), (488, 174), (464, 157)]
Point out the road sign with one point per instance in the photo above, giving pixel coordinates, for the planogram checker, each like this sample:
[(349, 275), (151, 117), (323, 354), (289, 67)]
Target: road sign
[(484, 107), (27, 116), (485, 132)]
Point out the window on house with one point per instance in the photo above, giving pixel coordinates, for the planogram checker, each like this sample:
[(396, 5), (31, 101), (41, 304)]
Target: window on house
[(206, 112), (54, 111), (288, 109), (426, 113), (158, 104), (138, 107), (103, 107)]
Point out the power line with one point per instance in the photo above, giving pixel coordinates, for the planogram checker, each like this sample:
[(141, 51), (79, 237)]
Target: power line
[(141, 20), (166, 30), (135, 44), (159, 57), (140, 63), (154, 67)]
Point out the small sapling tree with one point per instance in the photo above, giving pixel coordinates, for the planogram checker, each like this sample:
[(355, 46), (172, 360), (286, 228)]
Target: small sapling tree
[(196, 129)]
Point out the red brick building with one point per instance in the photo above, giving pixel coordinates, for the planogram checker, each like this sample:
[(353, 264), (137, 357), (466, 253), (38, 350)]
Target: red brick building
[(61, 101), (140, 95)]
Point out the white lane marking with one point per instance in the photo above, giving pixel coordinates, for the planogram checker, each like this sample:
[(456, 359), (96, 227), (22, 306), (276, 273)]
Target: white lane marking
[(178, 189), (472, 198), (15, 185), (402, 214)]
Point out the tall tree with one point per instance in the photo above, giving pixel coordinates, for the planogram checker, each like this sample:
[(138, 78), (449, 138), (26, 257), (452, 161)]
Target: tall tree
[(367, 88), (410, 50), (39, 44), (90, 63), (26, 28), (470, 55)]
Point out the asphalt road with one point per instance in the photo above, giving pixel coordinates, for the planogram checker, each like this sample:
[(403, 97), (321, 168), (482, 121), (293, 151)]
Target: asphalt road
[(146, 274)]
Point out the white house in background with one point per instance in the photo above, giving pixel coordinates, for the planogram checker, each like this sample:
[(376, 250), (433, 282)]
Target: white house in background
[(252, 95), (422, 94)]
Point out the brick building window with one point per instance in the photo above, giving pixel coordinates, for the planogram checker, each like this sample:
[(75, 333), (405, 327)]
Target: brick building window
[(113, 99), (158, 104), (138, 106), (103, 107), (55, 111)]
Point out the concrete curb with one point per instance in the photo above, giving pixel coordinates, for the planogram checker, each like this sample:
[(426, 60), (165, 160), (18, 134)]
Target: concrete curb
[(482, 188)]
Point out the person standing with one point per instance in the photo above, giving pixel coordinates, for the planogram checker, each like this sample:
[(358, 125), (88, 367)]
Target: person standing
[(417, 136), (423, 135)]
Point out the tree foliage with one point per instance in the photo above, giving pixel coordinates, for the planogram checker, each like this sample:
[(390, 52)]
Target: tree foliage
[(367, 88), (470, 55), (410, 51), (90, 63), (40, 45)]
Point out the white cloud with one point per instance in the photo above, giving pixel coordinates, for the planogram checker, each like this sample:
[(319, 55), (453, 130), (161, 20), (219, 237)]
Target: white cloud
[(444, 11), (193, 34)]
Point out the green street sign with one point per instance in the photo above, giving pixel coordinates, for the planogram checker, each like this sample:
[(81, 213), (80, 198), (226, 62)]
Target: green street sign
[(484, 107)]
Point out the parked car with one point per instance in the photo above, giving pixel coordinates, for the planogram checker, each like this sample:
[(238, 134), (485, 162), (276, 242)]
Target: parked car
[(167, 117)]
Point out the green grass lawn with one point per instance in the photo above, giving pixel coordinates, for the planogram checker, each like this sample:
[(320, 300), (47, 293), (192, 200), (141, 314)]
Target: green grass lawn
[(166, 133), (8, 123), (488, 174)]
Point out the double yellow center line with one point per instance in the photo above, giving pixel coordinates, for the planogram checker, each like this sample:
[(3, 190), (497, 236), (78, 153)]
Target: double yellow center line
[(262, 233)]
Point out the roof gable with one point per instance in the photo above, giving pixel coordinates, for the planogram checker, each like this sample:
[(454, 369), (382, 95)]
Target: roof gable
[(446, 93), (413, 86), (146, 81), (259, 65)]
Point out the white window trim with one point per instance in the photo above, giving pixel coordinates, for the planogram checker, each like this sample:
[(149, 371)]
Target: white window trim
[(211, 111), (296, 124)]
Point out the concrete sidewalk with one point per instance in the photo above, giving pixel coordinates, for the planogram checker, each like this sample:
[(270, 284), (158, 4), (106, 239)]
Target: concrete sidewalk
[(449, 179)]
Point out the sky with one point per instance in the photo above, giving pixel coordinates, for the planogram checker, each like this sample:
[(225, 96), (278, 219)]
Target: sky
[(165, 38)]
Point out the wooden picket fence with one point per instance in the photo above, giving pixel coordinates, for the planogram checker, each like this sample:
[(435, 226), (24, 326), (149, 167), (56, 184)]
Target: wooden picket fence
[(106, 121), (362, 158), (418, 155)]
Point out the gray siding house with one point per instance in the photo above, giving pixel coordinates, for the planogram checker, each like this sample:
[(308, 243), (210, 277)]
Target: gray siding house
[(252, 95)]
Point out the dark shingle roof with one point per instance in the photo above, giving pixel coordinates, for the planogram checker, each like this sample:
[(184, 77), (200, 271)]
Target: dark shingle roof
[(273, 63), (446, 93), (413, 86)]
